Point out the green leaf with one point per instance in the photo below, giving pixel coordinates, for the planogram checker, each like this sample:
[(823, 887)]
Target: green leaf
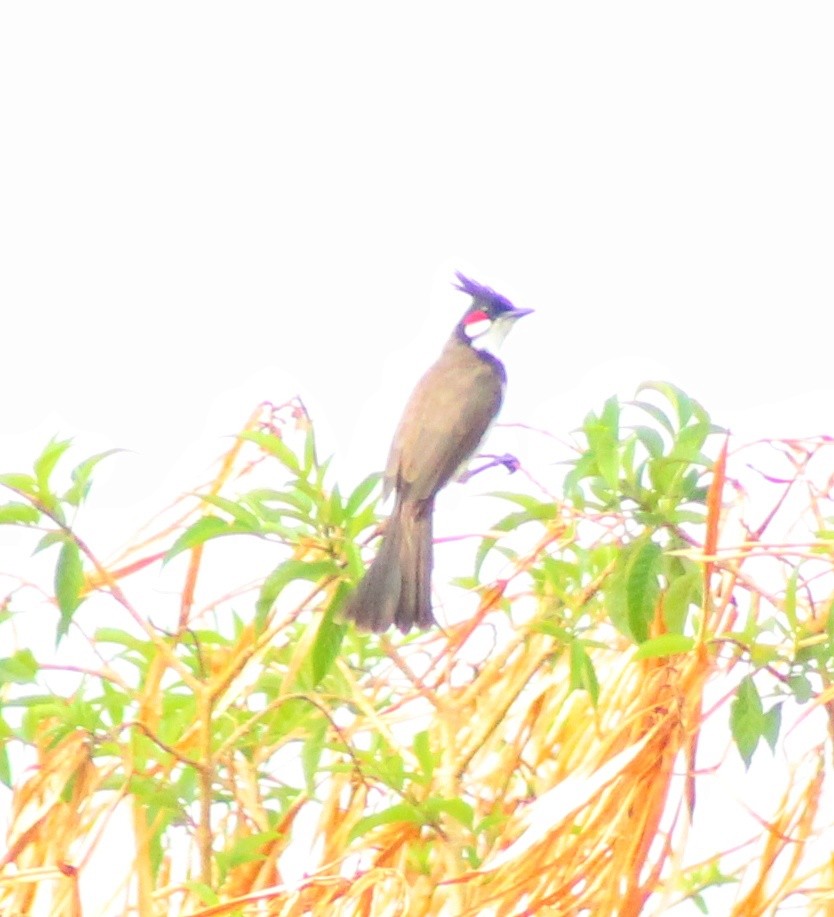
[(396, 814), (642, 587), (424, 754), (658, 415), (45, 463), (292, 715), (204, 530), (683, 592), (583, 676), (689, 441), (762, 653), (123, 638), (533, 510), (318, 498), (360, 493), (698, 901), (276, 447), (461, 811), (334, 511), (294, 498), (771, 724), (829, 621), (326, 647), (651, 440), (679, 516), (5, 766), (178, 714), (311, 754), (513, 521), (81, 714), (628, 451), (81, 477), (390, 768), (239, 513), (525, 501), (667, 645), (58, 536), (560, 634), (603, 445), (683, 404), (18, 514), (69, 581), (486, 545), (113, 701), (285, 573), (801, 687), (158, 793), (583, 467), (611, 416), (206, 894), (746, 719), (248, 849), (22, 483), (789, 604), (310, 459), (20, 669)]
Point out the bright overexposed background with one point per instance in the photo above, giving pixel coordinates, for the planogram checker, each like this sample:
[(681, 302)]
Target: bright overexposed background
[(205, 206)]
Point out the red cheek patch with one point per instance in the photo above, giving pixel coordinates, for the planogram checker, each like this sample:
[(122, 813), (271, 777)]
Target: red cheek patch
[(477, 316), (476, 323)]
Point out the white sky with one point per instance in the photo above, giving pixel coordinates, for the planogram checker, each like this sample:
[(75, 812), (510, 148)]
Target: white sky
[(203, 206)]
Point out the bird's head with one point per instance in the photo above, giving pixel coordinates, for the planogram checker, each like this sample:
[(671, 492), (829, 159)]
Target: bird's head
[(489, 317)]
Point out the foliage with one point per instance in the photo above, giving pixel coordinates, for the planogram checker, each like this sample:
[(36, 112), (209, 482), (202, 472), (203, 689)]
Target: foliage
[(545, 752)]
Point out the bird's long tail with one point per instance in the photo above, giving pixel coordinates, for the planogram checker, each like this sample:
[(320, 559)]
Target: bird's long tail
[(397, 586)]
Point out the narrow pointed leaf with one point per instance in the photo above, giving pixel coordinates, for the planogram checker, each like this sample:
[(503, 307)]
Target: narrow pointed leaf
[(396, 814), (48, 459), (746, 719), (239, 513), (285, 573), (81, 477), (23, 483), (642, 588), (18, 514), (21, 668), (275, 446), (771, 724), (326, 647), (311, 754), (69, 581), (360, 493), (583, 676), (202, 531), (666, 645), (423, 752)]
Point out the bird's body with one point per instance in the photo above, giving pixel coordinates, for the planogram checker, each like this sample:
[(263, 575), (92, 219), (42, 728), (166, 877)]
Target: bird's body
[(444, 421)]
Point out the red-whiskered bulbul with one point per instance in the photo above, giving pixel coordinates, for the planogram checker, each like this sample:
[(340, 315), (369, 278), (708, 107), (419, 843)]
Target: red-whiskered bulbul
[(444, 421)]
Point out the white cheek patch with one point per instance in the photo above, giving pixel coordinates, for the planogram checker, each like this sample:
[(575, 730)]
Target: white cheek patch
[(491, 334), (476, 328)]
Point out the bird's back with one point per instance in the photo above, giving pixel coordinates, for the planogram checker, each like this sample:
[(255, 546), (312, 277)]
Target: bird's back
[(445, 420)]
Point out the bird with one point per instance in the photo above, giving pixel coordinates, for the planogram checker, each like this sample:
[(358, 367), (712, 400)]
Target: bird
[(444, 421)]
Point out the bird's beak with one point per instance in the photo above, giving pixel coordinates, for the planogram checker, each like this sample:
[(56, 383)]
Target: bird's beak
[(520, 313)]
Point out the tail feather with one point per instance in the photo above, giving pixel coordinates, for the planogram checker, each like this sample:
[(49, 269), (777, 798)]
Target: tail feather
[(421, 616), (397, 586)]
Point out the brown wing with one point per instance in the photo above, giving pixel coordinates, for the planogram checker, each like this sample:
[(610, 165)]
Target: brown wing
[(445, 419)]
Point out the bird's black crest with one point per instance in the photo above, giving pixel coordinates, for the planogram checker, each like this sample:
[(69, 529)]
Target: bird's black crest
[(479, 291)]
